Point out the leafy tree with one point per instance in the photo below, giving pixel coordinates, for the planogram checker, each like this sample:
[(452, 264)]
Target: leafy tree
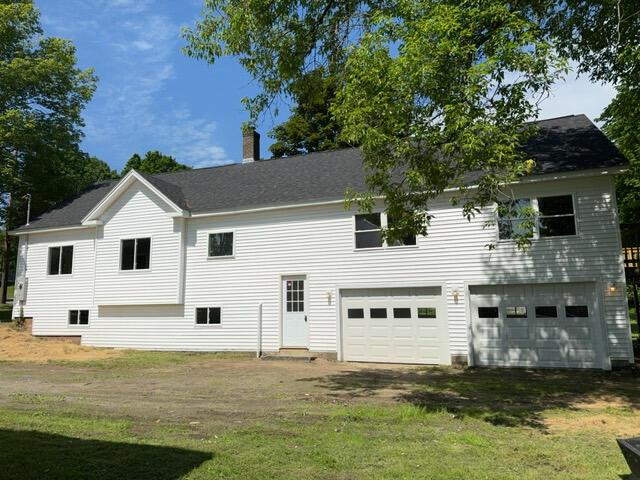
[(311, 126), (430, 89), (42, 94), (153, 162)]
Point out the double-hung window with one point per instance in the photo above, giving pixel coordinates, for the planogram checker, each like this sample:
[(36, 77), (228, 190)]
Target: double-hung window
[(221, 244), (135, 254), (368, 232), (555, 216), (61, 260)]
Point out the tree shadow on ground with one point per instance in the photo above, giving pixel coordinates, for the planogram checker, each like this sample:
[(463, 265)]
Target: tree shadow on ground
[(508, 397), (34, 455)]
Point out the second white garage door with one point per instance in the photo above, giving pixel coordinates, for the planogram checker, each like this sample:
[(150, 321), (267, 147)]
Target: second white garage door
[(550, 325), (395, 325)]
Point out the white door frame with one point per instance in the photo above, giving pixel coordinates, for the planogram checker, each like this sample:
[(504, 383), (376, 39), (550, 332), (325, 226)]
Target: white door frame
[(283, 310)]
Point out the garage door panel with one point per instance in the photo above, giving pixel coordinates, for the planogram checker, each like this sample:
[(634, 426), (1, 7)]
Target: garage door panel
[(398, 325), (546, 336)]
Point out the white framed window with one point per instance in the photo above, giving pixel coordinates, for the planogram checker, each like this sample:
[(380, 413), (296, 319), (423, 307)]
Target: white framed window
[(78, 317), (221, 244), (555, 217), (60, 260), (368, 232), (208, 315), (135, 254)]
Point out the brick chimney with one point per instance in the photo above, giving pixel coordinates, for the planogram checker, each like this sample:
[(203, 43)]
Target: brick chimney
[(250, 145)]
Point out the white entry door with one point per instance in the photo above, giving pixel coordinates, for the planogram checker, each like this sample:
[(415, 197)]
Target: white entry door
[(295, 327)]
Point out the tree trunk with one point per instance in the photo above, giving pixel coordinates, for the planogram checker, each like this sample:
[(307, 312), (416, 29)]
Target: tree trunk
[(5, 268), (6, 261)]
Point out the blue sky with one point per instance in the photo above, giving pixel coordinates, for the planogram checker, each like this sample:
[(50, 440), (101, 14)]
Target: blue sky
[(152, 97)]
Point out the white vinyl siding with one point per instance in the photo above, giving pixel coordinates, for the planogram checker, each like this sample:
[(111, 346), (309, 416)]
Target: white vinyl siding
[(138, 214), (317, 242)]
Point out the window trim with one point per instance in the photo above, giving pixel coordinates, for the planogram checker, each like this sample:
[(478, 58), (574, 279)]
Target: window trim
[(384, 223), (233, 244), (78, 325), (536, 231), (60, 246), (135, 251), (207, 325)]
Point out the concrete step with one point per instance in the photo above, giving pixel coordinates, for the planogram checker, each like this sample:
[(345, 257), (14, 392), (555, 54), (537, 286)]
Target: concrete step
[(291, 355)]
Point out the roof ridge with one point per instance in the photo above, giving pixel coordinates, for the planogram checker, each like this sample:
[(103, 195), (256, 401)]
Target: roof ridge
[(264, 160)]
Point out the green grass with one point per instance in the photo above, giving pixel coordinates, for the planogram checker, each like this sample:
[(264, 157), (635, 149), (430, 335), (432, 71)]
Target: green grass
[(438, 423)]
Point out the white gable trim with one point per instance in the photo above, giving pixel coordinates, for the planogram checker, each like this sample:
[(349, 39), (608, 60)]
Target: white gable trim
[(129, 179)]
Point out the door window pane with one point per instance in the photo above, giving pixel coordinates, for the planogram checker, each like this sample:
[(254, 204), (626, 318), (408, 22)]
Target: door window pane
[(546, 312), (519, 311), (378, 313), (426, 312), (574, 311), (401, 313), (488, 312), (355, 313)]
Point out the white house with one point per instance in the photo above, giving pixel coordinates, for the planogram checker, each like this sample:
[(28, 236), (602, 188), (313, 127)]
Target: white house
[(263, 255)]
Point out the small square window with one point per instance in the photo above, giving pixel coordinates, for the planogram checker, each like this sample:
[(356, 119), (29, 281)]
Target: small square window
[(519, 311), (221, 244), (488, 312), (355, 313), (401, 313), (426, 312), (208, 316), (576, 311), (378, 313)]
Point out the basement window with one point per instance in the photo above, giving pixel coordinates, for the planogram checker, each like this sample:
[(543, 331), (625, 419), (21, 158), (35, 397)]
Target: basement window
[(208, 316), (135, 254), (60, 260), (78, 317)]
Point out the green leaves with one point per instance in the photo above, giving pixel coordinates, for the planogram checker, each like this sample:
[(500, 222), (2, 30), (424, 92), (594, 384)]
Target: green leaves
[(437, 93), (153, 162)]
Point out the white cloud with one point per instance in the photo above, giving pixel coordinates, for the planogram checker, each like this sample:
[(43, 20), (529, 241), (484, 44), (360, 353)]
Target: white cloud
[(577, 94), (132, 110)]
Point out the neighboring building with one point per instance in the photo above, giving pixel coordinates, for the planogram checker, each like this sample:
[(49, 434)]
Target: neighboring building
[(199, 259)]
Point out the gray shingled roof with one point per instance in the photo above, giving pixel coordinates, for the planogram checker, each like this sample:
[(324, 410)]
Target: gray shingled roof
[(562, 144)]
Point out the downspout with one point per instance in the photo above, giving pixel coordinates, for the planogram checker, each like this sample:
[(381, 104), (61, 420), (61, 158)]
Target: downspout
[(259, 349)]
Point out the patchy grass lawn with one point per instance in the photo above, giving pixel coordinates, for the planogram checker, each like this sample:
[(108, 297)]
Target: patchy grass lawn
[(148, 415)]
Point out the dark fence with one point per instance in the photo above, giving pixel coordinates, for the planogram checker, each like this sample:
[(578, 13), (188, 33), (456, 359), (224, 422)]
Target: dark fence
[(630, 233)]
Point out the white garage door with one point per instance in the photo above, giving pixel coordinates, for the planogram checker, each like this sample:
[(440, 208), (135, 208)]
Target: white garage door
[(551, 325), (395, 325)]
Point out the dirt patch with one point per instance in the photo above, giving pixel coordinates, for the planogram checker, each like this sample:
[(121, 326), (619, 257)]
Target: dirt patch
[(619, 426), (22, 347)]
